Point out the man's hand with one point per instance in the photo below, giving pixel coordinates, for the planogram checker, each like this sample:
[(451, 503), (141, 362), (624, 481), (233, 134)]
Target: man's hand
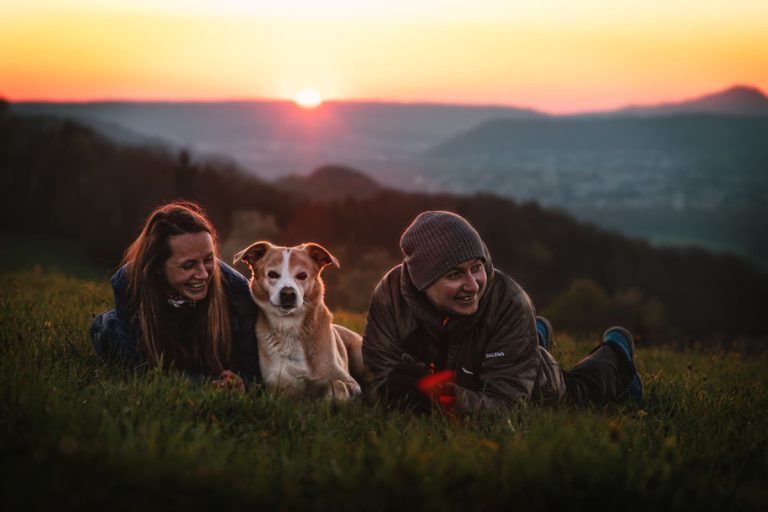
[(229, 380), (439, 387), (412, 383)]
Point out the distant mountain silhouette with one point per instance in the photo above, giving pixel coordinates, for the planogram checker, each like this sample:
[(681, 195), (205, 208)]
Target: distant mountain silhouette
[(675, 132), (275, 138), (741, 100), (331, 182)]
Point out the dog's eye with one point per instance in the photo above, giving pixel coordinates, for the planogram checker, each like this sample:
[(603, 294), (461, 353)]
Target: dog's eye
[(273, 275), (301, 276)]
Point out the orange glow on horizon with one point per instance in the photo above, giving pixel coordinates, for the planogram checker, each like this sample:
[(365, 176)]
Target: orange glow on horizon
[(583, 58)]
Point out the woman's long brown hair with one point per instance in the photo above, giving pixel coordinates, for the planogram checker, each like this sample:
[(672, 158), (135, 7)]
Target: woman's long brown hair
[(145, 259)]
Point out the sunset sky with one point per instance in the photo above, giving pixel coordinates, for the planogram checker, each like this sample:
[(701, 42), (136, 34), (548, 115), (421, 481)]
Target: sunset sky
[(553, 55)]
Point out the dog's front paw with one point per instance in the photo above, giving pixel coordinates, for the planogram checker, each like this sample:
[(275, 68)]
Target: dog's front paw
[(343, 390)]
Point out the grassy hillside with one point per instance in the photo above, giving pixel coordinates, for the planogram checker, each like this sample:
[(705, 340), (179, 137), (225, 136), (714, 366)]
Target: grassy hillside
[(76, 434)]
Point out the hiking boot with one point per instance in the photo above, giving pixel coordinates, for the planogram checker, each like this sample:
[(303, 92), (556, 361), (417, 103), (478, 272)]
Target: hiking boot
[(622, 339), (545, 333)]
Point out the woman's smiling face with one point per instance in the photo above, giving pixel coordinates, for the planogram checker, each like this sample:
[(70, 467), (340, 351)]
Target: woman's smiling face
[(189, 268)]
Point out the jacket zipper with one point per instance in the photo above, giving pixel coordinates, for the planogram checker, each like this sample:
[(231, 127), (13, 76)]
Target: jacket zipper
[(444, 325)]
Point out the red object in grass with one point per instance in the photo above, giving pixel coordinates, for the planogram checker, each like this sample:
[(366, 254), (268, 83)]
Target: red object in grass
[(434, 384), (446, 400)]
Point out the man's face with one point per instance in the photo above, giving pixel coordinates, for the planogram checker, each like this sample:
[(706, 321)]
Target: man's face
[(459, 290)]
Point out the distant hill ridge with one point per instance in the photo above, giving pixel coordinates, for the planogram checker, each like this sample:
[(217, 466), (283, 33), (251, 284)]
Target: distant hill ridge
[(733, 119), (742, 100), (331, 182), (275, 138), (673, 132)]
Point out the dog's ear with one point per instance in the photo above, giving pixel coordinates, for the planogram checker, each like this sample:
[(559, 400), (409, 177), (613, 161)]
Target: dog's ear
[(320, 255), (251, 254)]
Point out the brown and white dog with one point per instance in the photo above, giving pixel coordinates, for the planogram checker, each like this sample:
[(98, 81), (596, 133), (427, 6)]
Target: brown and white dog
[(301, 352)]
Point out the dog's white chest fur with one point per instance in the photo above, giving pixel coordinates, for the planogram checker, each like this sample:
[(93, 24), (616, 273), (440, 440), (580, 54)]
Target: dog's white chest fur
[(282, 359)]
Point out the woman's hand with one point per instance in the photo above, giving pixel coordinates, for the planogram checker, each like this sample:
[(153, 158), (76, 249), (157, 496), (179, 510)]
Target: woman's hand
[(229, 380)]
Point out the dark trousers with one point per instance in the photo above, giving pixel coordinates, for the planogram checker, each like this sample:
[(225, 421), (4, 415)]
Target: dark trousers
[(600, 378)]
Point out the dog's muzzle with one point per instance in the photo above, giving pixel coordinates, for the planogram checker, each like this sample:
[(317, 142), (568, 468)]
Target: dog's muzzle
[(287, 298)]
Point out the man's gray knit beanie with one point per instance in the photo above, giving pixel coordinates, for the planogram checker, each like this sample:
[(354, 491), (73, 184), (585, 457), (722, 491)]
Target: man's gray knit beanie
[(435, 242)]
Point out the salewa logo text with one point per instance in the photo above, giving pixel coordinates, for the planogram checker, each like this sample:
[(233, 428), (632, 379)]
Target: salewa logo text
[(493, 354)]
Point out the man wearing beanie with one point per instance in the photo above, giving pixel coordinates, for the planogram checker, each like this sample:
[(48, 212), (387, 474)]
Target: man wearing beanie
[(445, 327)]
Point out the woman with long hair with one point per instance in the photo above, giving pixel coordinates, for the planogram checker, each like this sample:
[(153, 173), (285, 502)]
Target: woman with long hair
[(177, 305)]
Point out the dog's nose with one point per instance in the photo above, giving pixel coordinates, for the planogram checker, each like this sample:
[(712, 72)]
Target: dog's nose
[(287, 297)]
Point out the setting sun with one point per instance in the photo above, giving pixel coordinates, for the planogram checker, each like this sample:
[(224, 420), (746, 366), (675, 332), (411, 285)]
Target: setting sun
[(308, 98)]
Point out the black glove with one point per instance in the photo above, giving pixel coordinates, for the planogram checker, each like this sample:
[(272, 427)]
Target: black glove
[(400, 385)]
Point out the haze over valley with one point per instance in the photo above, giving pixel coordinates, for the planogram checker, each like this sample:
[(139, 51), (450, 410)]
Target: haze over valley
[(693, 172)]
